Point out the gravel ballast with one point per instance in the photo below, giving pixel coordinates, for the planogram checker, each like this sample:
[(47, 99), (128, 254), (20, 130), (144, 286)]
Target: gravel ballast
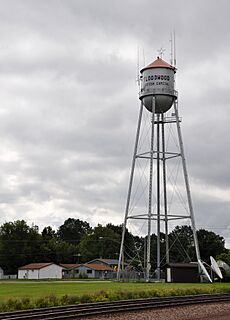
[(217, 311)]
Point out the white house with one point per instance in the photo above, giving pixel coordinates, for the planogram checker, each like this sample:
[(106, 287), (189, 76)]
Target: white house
[(112, 263), (40, 271), (68, 269), (93, 270), (1, 273)]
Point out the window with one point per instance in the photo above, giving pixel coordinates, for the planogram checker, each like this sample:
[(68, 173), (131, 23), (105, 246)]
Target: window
[(89, 271)]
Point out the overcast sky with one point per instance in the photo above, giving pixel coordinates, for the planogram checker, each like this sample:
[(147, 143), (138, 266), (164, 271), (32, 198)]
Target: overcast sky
[(69, 104)]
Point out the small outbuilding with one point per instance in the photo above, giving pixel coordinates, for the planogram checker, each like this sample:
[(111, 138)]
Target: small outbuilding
[(38, 271), (182, 272)]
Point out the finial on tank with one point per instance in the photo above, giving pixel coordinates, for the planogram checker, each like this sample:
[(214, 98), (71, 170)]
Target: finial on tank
[(157, 80)]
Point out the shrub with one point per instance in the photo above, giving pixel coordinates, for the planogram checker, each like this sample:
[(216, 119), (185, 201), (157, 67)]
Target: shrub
[(42, 302), (13, 304), (86, 298), (27, 303), (67, 300), (53, 300), (83, 275)]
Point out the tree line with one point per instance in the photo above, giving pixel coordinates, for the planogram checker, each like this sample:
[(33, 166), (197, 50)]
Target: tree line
[(75, 241)]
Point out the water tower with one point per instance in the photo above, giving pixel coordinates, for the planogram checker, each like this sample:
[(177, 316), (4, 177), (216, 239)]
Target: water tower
[(158, 95)]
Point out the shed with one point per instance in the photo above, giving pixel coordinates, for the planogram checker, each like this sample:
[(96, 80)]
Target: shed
[(38, 271), (182, 272)]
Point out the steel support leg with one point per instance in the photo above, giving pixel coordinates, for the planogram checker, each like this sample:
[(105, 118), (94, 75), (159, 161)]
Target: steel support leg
[(158, 202), (148, 265), (187, 183), (165, 191), (121, 255)]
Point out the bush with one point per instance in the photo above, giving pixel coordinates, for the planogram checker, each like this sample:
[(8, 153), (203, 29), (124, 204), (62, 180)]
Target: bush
[(42, 302), (67, 300), (83, 276), (103, 295), (53, 300), (86, 298)]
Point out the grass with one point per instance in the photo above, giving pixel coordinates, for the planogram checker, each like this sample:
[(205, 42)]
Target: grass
[(21, 295)]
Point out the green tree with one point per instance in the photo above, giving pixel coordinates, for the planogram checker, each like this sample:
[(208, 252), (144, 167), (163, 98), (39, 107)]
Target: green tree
[(20, 244), (153, 253), (48, 233), (57, 251), (181, 244), (224, 256), (48, 250), (73, 230), (132, 244), (210, 243), (102, 242)]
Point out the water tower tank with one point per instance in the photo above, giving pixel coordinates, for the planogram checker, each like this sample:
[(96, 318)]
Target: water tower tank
[(157, 80)]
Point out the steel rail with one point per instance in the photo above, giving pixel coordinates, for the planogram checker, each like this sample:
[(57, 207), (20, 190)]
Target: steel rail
[(83, 310)]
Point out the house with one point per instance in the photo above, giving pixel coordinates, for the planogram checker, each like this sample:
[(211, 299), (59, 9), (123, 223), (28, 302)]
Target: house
[(86, 270), (112, 263), (1, 273), (91, 270), (68, 270), (38, 271)]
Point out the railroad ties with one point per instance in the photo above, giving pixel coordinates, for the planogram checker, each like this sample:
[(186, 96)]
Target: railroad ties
[(89, 309)]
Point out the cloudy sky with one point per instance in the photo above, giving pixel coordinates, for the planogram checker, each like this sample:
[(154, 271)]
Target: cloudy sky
[(69, 104)]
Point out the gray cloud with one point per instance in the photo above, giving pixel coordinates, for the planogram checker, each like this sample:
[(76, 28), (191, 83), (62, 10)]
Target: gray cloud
[(69, 104)]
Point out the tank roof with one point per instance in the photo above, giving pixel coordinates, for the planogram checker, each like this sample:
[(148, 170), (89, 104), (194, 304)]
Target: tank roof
[(159, 63)]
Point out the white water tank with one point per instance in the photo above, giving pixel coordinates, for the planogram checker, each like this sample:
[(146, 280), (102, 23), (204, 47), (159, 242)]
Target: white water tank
[(157, 80)]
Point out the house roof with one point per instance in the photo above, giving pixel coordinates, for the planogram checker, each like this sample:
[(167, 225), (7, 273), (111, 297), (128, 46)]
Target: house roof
[(106, 261), (34, 266), (98, 267), (69, 265), (159, 63), (183, 265)]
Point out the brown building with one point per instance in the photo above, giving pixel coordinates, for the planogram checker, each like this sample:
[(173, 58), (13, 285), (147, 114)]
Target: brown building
[(182, 272)]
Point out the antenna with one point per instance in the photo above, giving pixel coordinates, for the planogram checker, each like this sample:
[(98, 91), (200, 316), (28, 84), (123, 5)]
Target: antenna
[(172, 41), (204, 270), (174, 48), (171, 48), (138, 68), (143, 53), (161, 52), (215, 267)]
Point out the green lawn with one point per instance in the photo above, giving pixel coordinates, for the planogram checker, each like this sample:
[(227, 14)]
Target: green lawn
[(19, 289)]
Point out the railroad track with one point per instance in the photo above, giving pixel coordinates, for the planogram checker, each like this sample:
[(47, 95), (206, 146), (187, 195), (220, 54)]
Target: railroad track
[(90, 309)]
